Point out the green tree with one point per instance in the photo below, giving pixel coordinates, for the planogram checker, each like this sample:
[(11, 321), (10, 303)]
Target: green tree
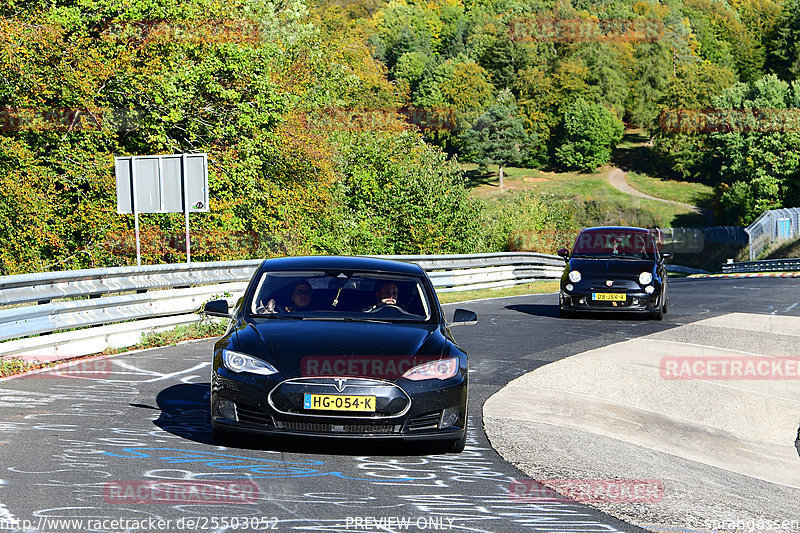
[(497, 136), (757, 153), (783, 48), (587, 135), (398, 195), (691, 91)]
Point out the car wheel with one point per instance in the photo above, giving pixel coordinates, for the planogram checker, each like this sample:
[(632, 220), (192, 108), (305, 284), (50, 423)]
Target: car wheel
[(659, 314), (457, 446)]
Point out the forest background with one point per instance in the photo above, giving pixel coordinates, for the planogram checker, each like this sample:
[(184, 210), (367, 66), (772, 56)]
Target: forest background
[(341, 127)]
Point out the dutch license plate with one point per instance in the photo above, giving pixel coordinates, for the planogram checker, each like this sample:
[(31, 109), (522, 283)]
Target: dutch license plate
[(335, 402), (609, 296)]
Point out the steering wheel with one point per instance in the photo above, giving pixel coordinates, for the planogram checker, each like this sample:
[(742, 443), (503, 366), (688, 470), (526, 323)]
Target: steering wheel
[(387, 305)]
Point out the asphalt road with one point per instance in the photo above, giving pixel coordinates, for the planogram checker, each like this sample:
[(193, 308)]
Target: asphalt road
[(80, 450)]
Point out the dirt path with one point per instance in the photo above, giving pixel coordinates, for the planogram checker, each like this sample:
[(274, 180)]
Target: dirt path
[(617, 180)]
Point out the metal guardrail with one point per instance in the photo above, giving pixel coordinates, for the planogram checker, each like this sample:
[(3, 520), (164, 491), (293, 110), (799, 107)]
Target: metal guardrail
[(73, 313), (771, 265), (771, 226)]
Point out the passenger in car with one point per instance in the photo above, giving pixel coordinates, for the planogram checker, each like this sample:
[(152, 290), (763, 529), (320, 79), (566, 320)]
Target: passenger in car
[(301, 297)]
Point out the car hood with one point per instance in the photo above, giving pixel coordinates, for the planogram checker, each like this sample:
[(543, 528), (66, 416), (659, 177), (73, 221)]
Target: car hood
[(303, 348), (611, 267)]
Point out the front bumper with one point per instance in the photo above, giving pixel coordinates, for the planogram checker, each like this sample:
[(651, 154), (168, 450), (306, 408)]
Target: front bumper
[(260, 409), (635, 302)]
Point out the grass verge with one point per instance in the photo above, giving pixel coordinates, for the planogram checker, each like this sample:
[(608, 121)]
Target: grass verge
[(13, 366), (596, 201), (685, 192)]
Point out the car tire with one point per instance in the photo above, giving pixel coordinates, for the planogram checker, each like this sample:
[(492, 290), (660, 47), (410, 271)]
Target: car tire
[(457, 446), (659, 314)]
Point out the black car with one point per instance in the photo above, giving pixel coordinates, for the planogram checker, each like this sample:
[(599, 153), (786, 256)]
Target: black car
[(617, 269), (340, 347)]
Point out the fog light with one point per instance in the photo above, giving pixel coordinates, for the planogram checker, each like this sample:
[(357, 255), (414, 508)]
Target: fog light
[(449, 417), (228, 409), (649, 289), (582, 301), (569, 286), (635, 302)]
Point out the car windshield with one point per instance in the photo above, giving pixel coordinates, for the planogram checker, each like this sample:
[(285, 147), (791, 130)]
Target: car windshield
[(362, 296), (616, 243)]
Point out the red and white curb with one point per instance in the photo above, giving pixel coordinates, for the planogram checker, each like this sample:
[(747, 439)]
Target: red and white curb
[(750, 275)]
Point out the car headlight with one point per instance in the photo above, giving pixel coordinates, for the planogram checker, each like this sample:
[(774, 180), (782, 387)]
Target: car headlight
[(441, 369), (645, 278), (239, 362), (574, 276)]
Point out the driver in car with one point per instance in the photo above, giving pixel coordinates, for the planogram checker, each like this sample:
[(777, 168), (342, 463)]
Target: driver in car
[(385, 294)]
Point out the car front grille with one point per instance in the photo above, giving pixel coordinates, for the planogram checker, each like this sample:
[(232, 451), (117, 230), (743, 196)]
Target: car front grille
[(424, 422), (360, 429)]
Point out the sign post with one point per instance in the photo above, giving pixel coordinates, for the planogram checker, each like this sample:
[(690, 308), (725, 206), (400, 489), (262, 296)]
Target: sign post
[(162, 184)]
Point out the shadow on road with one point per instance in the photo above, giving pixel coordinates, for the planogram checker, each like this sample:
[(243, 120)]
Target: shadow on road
[(535, 309), (552, 312)]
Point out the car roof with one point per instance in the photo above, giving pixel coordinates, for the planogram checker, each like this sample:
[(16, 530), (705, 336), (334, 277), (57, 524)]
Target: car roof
[(334, 262)]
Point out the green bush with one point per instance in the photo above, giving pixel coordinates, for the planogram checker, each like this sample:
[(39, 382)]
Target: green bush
[(531, 222)]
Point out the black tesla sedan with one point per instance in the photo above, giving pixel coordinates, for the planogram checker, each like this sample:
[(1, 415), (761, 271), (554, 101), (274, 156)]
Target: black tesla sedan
[(616, 269), (340, 347)]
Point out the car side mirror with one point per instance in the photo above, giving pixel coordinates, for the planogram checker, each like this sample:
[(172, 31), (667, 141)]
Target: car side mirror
[(563, 252), (217, 308), (464, 317)]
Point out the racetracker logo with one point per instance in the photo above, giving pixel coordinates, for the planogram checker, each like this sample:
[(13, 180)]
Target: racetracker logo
[(724, 368), (78, 369), (172, 492), (578, 30), (760, 120), (377, 367), (587, 490)]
